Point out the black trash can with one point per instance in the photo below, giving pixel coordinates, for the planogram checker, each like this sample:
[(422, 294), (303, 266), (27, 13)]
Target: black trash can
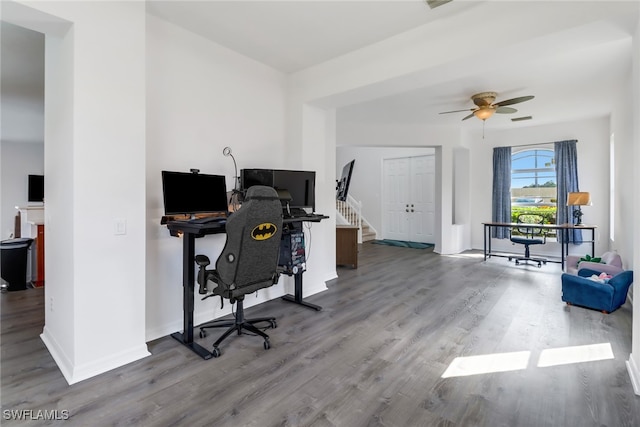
[(13, 254)]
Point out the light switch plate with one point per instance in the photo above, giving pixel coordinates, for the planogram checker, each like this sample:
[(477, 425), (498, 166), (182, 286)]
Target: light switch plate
[(119, 226)]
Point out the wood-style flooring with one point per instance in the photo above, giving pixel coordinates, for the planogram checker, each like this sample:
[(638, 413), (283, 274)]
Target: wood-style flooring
[(375, 356)]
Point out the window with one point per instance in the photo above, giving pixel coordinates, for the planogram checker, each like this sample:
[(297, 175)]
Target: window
[(533, 184)]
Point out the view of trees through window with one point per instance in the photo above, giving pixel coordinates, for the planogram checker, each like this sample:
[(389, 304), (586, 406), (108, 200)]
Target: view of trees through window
[(533, 184)]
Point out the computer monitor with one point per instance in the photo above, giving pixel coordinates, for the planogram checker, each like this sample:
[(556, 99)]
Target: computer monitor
[(35, 188), (192, 193), (251, 177), (300, 185), (342, 189)]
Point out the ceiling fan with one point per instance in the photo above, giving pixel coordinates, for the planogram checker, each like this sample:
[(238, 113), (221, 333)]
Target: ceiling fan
[(485, 106)]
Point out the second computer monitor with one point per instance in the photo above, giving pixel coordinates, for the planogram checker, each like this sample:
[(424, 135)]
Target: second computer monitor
[(301, 185)]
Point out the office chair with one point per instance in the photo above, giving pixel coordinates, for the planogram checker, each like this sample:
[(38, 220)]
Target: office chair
[(529, 236), (248, 262)]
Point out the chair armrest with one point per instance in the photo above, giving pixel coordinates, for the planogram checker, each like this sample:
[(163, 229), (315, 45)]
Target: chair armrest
[(600, 268), (622, 281)]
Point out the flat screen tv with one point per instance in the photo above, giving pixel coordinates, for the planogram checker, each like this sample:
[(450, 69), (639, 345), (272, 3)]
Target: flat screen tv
[(35, 188), (192, 193), (342, 189), (301, 185)]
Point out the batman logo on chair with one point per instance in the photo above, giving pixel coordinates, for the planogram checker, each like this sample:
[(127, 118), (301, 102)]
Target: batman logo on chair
[(263, 231)]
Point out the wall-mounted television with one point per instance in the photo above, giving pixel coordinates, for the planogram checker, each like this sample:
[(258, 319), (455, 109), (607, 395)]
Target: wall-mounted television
[(35, 188), (192, 193), (301, 185), (342, 189)]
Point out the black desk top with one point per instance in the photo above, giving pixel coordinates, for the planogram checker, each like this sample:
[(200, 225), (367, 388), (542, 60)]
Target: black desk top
[(185, 226)]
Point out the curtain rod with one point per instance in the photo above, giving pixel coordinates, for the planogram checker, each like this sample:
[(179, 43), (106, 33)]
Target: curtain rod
[(539, 143)]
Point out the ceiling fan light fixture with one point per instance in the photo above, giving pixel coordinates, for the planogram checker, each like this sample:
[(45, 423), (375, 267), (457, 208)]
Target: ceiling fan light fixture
[(483, 113)]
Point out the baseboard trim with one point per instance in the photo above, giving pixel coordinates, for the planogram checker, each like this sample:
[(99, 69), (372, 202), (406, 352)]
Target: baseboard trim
[(76, 373), (59, 356), (634, 374)]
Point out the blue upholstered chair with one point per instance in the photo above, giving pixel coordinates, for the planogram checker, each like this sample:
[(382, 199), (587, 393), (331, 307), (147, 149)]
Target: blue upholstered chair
[(606, 297)]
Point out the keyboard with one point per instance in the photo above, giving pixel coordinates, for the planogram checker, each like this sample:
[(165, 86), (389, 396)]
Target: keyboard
[(296, 213), (208, 220)]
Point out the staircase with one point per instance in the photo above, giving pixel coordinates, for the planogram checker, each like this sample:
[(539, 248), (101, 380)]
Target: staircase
[(367, 232), (350, 212)]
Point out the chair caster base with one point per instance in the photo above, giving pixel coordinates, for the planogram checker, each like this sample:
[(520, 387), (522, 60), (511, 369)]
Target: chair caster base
[(216, 352)]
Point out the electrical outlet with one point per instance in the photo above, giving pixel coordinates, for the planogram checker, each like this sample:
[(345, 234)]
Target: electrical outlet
[(51, 304)]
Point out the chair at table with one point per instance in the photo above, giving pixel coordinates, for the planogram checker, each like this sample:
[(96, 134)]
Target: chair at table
[(248, 262), (529, 236)]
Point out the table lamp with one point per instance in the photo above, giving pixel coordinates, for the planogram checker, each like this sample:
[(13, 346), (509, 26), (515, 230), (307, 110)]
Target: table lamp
[(578, 199)]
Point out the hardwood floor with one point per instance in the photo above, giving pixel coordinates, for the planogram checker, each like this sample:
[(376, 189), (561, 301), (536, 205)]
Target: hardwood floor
[(375, 355)]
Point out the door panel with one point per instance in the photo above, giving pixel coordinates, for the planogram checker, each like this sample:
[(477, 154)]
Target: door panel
[(395, 196), (409, 199)]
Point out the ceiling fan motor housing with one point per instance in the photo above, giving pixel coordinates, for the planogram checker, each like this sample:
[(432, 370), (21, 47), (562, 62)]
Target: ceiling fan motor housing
[(484, 98)]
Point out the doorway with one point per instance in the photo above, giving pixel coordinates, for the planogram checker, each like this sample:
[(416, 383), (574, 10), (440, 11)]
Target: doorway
[(408, 199)]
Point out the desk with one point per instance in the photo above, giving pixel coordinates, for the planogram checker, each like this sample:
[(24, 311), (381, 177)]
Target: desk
[(190, 231), (295, 224), (561, 228)]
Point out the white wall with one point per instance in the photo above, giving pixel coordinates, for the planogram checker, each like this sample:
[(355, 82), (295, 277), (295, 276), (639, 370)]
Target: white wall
[(633, 364), (19, 159), (624, 215), (201, 97), (94, 164), (366, 180)]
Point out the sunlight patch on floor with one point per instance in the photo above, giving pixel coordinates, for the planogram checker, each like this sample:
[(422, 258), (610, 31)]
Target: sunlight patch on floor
[(514, 361), (489, 363), (576, 354)]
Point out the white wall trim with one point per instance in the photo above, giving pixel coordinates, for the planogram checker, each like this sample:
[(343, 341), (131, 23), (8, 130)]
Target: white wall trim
[(57, 352), (76, 373), (634, 374)]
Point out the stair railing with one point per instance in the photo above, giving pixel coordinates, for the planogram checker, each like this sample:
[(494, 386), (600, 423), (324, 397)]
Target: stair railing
[(351, 210)]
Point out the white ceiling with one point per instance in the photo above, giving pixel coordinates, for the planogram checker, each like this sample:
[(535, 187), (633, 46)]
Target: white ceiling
[(572, 74), (292, 35)]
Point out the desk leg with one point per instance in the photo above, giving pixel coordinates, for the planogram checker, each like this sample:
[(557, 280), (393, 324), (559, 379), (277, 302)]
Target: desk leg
[(563, 252), (485, 242), (188, 280), (297, 298)]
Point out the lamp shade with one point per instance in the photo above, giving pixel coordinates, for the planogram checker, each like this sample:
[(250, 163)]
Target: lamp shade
[(581, 198), (484, 112)]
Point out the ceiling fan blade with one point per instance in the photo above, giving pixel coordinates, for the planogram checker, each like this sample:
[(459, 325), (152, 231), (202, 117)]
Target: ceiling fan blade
[(513, 101), (506, 110), (457, 111), (435, 3), (469, 116)]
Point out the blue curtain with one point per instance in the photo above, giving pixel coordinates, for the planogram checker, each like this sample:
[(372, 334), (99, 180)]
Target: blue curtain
[(567, 179), (501, 201)]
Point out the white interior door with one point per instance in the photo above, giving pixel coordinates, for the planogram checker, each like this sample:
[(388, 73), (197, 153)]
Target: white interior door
[(395, 173), (409, 199), (422, 200)]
